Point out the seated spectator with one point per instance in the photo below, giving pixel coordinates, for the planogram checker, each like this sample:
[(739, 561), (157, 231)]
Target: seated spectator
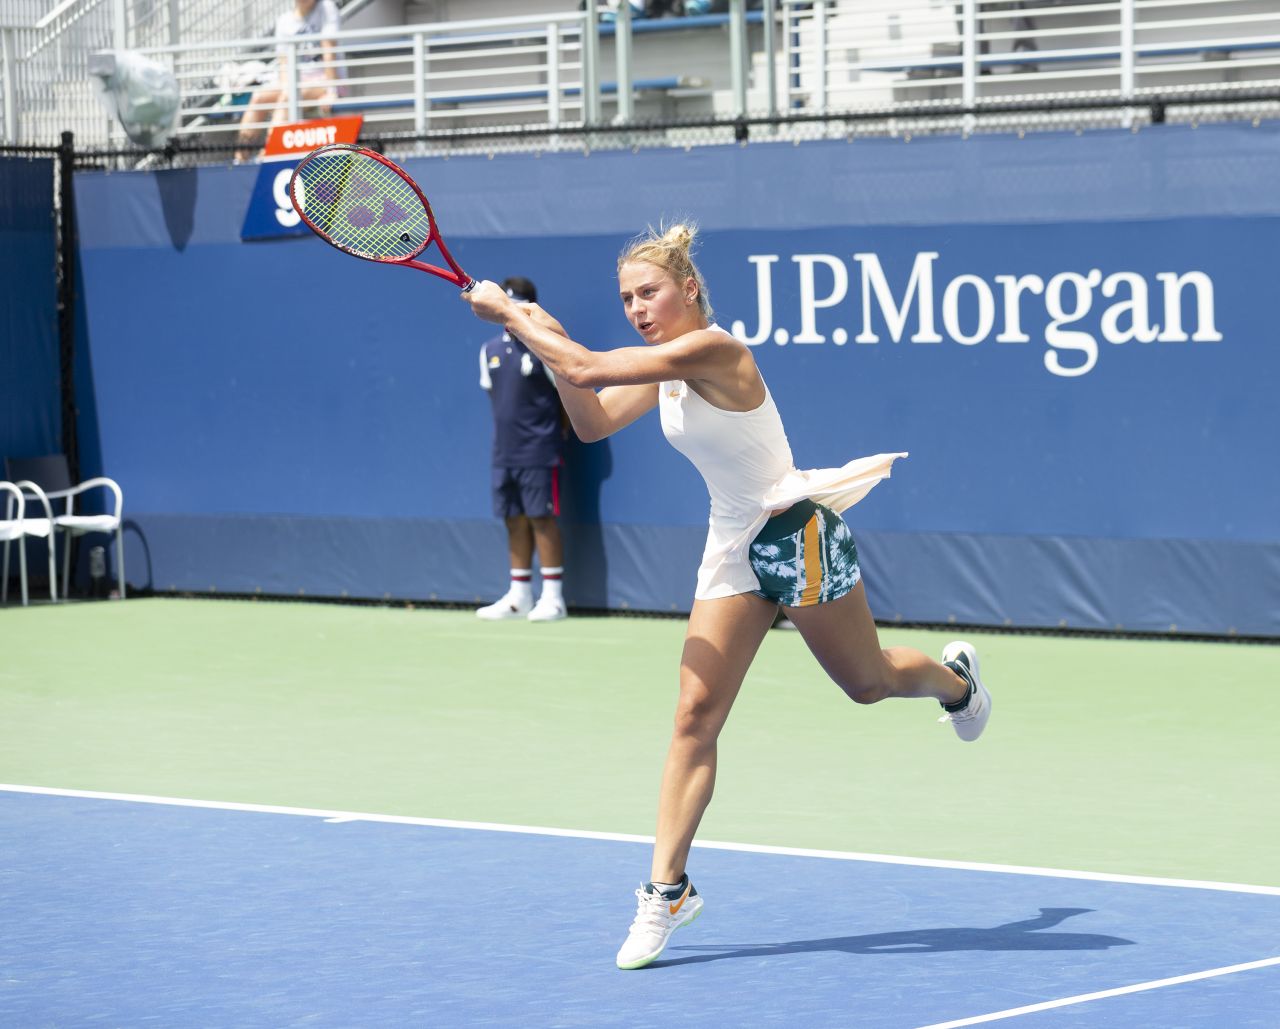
[(319, 77)]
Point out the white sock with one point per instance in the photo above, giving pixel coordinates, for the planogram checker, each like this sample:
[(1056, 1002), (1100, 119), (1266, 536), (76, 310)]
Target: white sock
[(521, 584), (551, 585)]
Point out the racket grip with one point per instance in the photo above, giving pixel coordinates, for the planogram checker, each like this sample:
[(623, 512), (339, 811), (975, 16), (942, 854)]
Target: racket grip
[(471, 284)]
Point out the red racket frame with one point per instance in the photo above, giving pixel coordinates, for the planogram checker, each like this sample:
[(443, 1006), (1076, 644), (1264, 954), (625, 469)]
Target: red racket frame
[(453, 273)]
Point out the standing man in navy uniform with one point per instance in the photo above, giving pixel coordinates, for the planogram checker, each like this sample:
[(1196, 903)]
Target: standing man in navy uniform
[(528, 429)]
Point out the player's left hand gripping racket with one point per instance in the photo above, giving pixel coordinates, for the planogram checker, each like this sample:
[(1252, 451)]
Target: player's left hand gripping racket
[(367, 206)]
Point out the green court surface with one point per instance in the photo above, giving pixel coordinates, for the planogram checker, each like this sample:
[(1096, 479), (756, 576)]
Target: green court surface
[(1103, 755)]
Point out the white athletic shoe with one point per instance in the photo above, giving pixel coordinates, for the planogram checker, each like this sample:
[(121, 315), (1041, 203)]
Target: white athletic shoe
[(971, 719), (547, 610), (510, 605), (656, 919)]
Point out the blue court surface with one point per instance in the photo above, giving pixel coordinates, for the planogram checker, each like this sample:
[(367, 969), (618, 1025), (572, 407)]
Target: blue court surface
[(119, 913)]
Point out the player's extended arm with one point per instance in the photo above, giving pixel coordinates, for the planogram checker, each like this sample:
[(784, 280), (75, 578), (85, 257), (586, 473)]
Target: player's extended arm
[(595, 415)]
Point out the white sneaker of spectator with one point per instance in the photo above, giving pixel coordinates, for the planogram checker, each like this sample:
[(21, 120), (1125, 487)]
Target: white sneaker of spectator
[(513, 604), (548, 609)]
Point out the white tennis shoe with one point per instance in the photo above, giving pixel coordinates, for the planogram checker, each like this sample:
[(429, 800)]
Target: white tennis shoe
[(510, 605), (971, 719), (657, 917), (547, 610)]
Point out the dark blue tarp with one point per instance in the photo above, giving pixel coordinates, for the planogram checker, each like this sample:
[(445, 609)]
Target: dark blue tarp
[(30, 400), (1083, 372)]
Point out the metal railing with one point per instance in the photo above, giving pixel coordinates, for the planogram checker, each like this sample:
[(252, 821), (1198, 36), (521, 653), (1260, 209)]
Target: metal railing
[(976, 63), (885, 54), (509, 71), (45, 48)]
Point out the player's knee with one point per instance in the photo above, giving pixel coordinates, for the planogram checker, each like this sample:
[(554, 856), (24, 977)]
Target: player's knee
[(865, 689), (695, 712)]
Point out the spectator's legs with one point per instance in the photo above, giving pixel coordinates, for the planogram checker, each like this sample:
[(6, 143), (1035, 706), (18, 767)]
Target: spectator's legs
[(550, 606), (520, 541), (254, 117), (546, 536)]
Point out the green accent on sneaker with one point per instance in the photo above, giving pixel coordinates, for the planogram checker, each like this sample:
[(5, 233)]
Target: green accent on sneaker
[(962, 670), (650, 959)]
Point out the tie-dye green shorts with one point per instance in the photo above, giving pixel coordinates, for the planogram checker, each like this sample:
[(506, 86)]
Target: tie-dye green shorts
[(804, 556)]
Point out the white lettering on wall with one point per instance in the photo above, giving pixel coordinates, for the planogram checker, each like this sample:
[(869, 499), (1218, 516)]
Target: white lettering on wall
[(973, 308)]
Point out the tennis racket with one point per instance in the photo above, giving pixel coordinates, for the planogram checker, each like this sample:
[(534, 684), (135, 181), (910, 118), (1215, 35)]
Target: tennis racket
[(369, 207)]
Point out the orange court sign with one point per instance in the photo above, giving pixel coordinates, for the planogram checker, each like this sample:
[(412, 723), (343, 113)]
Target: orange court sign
[(302, 137)]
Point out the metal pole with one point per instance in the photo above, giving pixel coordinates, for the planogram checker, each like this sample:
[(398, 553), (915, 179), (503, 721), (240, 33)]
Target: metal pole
[(1126, 48), (969, 54), (291, 87), (738, 54), (820, 27), (9, 84), (553, 73), (622, 56), (590, 63), (67, 301), (419, 84), (771, 74), (119, 26)]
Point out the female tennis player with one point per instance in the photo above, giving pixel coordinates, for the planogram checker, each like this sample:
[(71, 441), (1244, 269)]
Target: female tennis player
[(775, 538)]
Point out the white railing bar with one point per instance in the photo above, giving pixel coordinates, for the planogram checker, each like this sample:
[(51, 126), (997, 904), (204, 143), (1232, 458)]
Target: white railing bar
[(622, 61), (54, 14), (969, 53), (1079, 30), (820, 23), (1207, 44), (1184, 23), (1051, 12), (420, 101), (1164, 69), (56, 34), (553, 74), (10, 85), (536, 23), (738, 58), (1126, 48), (1197, 3)]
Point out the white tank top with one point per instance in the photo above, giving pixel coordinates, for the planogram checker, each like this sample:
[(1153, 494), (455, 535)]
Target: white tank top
[(745, 460)]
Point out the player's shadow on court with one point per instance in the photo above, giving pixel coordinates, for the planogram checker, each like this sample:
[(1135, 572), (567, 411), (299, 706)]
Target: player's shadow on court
[(1026, 935)]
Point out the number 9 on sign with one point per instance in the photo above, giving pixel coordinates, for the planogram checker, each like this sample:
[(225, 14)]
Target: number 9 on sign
[(285, 214)]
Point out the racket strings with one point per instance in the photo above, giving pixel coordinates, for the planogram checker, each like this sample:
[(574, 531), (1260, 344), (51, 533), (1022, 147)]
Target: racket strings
[(363, 206)]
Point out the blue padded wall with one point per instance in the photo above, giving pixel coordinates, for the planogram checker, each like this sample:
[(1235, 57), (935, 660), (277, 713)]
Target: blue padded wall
[(30, 401), (288, 419)]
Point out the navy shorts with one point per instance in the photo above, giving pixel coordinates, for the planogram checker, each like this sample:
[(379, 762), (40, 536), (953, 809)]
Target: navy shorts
[(534, 492), (805, 556)]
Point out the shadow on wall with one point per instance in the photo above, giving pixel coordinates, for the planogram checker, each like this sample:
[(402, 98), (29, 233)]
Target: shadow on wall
[(178, 189), (587, 466)]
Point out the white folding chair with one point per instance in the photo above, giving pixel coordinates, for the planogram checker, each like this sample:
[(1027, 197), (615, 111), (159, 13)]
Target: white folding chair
[(52, 474), (15, 526)]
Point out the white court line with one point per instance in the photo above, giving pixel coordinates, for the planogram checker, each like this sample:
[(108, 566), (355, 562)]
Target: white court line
[(1155, 984), (584, 834)]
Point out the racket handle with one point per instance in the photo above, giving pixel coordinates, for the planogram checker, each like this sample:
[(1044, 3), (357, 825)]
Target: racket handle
[(470, 286)]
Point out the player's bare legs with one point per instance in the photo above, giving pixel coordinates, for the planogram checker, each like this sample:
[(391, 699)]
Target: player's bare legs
[(842, 636), (722, 638), (719, 646)]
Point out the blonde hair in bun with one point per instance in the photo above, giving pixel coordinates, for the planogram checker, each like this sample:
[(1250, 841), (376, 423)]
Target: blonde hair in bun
[(670, 248)]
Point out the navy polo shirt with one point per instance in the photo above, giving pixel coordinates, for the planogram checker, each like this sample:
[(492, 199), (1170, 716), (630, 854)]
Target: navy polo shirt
[(526, 407)]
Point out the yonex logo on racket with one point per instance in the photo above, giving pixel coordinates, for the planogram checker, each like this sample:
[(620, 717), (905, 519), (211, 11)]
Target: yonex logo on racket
[(367, 206)]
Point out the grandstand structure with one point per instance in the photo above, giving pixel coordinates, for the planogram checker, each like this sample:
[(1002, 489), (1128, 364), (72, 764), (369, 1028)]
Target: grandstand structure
[(434, 75)]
